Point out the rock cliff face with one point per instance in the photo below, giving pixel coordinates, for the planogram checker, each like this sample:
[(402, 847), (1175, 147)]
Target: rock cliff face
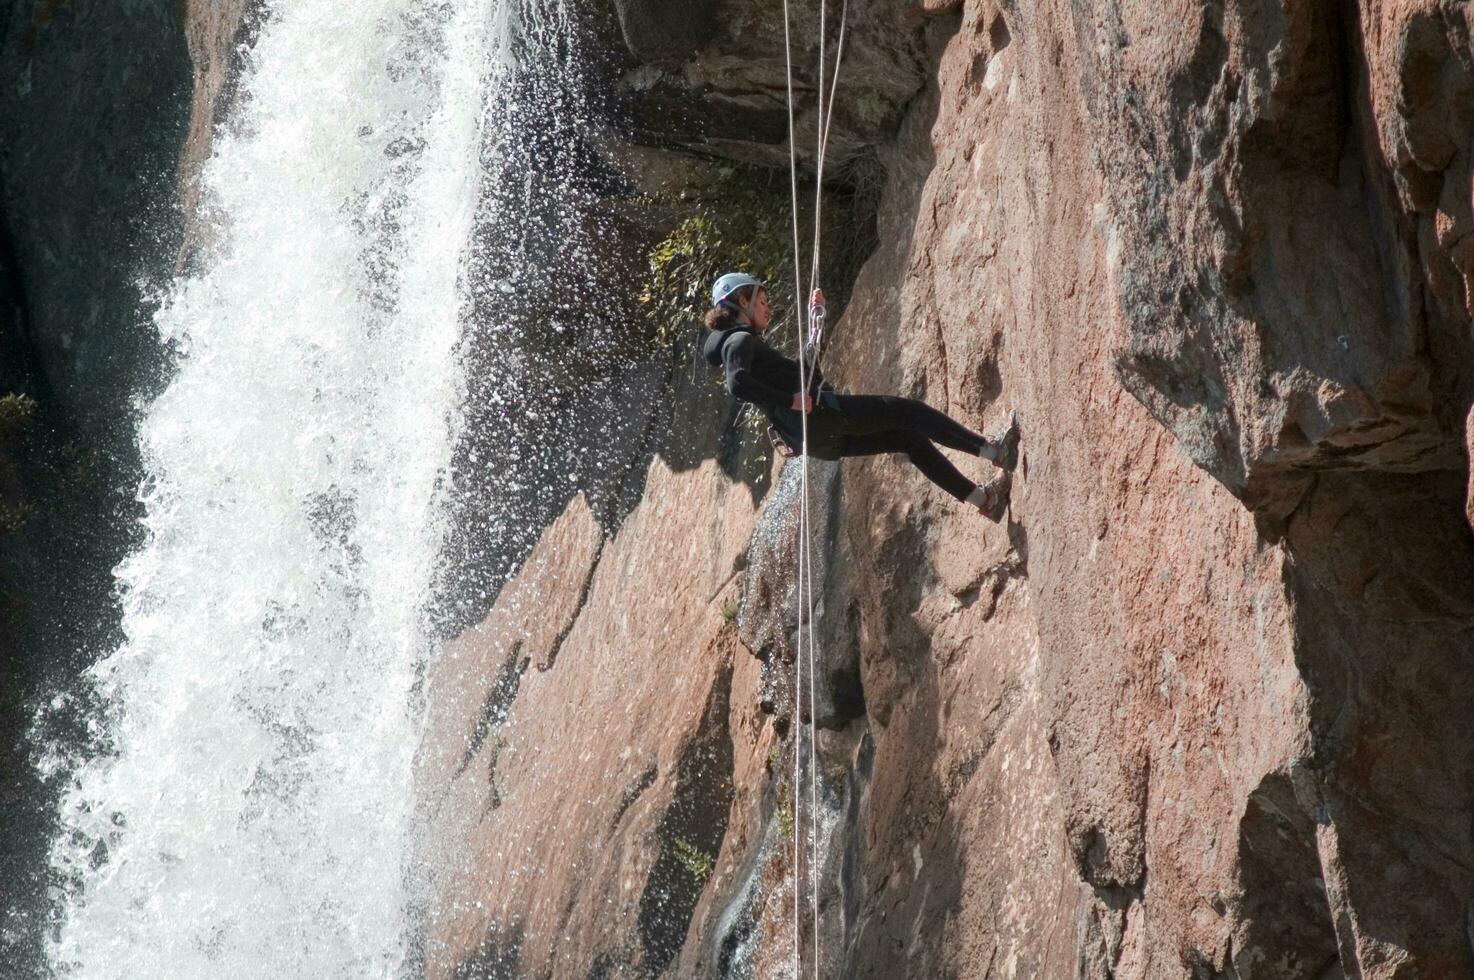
[(1197, 708)]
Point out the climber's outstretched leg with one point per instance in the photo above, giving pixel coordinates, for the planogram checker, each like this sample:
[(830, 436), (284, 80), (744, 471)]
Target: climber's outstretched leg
[(861, 415), (991, 500)]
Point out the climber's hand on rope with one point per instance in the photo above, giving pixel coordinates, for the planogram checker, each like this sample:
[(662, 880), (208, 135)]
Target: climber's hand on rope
[(816, 301), (802, 403)]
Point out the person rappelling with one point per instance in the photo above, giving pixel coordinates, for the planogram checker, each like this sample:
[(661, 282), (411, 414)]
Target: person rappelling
[(843, 425)]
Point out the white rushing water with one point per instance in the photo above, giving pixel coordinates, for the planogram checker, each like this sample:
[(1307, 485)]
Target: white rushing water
[(251, 816)]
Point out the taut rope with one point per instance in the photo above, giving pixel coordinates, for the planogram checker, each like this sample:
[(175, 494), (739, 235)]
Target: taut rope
[(812, 338)]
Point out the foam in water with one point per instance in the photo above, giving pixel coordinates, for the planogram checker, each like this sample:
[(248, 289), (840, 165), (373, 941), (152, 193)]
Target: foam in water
[(251, 815)]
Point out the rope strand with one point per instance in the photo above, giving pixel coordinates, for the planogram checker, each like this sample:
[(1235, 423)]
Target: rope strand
[(805, 580), (824, 117), (798, 665), (806, 639)]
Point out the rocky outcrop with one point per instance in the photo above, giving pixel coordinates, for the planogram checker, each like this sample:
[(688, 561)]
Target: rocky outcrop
[(1288, 195), (219, 34), (1194, 709), (643, 805), (720, 88)]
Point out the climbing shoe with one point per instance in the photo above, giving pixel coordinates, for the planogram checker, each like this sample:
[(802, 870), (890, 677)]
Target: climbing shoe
[(1005, 446), (991, 500)]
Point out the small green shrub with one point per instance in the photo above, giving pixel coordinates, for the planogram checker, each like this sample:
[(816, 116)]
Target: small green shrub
[(736, 220), (13, 516), (785, 816), (697, 862), (17, 413), (17, 416)]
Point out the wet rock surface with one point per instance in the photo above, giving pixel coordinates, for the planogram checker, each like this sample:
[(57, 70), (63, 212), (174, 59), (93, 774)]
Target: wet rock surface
[(94, 121), (634, 728), (1194, 709), (89, 179)]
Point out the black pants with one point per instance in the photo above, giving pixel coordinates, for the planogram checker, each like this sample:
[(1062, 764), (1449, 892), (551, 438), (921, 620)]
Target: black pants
[(867, 425)]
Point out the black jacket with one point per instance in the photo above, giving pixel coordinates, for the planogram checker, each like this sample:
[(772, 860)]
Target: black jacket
[(757, 373)]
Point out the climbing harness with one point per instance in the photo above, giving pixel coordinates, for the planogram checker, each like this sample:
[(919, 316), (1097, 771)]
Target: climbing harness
[(811, 338), (780, 445), (815, 344)]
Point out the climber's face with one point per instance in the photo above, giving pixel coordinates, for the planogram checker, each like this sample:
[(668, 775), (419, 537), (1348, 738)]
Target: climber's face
[(758, 311)]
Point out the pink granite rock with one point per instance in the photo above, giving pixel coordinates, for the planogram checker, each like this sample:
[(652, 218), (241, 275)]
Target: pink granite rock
[(1199, 707)]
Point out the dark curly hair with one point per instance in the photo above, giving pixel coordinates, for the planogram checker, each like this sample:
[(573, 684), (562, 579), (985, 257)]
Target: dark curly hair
[(725, 313)]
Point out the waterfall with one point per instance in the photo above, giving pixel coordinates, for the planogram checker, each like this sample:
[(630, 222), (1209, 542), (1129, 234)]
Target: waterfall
[(248, 815)]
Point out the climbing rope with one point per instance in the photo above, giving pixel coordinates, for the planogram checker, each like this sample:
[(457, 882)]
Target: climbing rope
[(810, 338), (798, 297)]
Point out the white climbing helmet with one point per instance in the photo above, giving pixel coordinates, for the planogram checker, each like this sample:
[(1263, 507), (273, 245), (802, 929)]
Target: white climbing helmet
[(728, 284)]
